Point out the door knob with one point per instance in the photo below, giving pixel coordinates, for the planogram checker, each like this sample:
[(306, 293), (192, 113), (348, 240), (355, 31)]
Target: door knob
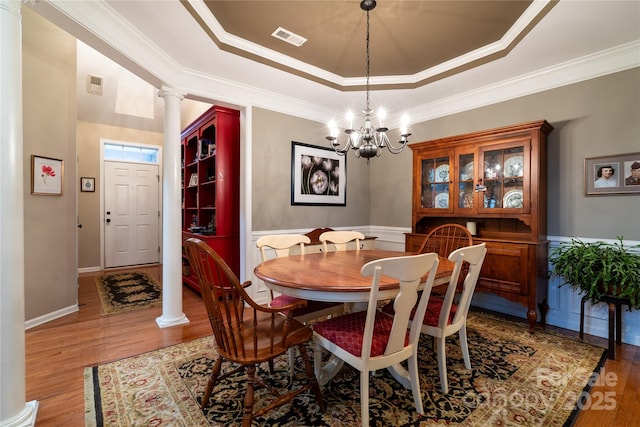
[(108, 220)]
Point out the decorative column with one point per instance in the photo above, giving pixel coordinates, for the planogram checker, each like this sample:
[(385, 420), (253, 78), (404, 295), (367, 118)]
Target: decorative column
[(172, 314), (14, 411)]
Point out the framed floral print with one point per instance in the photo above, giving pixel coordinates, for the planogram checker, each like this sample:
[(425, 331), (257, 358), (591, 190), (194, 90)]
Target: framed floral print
[(318, 176), (617, 174), (47, 176)]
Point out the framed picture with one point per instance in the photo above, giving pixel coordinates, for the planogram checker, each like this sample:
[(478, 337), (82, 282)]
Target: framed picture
[(193, 181), (318, 176), (87, 185), (617, 174), (47, 176)]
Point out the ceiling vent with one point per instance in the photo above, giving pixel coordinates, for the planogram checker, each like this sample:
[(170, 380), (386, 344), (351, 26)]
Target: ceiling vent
[(94, 84), (289, 37)]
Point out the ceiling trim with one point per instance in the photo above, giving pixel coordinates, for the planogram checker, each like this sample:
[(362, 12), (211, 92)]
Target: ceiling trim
[(610, 61), (236, 45), (98, 26)]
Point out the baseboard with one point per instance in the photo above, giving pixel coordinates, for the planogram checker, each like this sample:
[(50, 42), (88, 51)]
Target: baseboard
[(88, 269), (32, 323)]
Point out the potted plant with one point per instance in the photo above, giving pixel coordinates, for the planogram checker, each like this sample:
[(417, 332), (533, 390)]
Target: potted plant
[(599, 269)]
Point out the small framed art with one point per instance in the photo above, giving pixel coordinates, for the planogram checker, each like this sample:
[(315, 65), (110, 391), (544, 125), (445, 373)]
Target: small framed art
[(87, 185), (47, 176)]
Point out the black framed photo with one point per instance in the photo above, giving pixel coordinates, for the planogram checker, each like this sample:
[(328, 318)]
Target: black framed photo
[(318, 176), (616, 174), (87, 184)]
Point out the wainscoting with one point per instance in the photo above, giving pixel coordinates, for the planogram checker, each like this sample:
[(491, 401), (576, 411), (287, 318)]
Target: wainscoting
[(564, 303)]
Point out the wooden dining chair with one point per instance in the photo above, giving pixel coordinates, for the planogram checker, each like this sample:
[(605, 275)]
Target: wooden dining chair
[(445, 239), (369, 340), (280, 245), (340, 239), (246, 333), (444, 317)]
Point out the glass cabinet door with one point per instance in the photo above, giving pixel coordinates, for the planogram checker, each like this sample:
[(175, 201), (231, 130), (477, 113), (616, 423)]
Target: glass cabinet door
[(435, 183), (465, 181), (504, 176)]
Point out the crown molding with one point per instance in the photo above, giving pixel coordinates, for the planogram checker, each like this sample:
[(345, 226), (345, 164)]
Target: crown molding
[(588, 67), (97, 22), (537, 9)]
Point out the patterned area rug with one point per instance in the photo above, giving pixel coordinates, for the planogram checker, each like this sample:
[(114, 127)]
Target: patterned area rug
[(516, 378), (131, 290)]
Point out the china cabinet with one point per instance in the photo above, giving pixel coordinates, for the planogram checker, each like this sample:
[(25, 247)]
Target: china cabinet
[(496, 180), (210, 150)]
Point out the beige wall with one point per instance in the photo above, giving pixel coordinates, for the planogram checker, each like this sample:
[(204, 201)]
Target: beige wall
[(271, 175), (88, 136), (49, 114)]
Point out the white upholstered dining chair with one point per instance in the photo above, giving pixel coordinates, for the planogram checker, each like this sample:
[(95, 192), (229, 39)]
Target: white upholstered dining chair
[(340, 239), (351, 337), (443, 316)]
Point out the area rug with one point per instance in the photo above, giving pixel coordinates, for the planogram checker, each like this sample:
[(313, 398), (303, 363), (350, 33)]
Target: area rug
[(516, 379), (131, 290)]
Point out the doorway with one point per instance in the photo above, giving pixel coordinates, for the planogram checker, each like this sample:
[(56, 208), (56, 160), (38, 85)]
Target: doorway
[(131, 205)]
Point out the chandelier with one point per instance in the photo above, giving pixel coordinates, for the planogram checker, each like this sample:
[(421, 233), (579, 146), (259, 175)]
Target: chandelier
[(368, 141)]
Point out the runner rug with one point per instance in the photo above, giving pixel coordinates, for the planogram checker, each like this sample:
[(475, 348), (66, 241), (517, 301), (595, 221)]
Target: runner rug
[(516, 378), (126, 291)]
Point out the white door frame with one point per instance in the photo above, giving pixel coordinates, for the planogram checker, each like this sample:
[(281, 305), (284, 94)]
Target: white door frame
[(102, 216)]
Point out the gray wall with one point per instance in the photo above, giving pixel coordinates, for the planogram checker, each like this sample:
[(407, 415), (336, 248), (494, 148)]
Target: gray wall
[(49, 64), (271, 175)]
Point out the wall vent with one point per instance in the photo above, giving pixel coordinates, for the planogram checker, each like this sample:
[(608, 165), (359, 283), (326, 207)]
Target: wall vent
[(94, 84), (288, 36)]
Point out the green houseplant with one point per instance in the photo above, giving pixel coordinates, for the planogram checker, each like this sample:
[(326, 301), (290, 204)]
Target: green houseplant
[(599, 269)]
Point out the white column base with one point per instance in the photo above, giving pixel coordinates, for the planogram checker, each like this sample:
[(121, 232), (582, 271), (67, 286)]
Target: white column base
[(164, 322), (26, 418)]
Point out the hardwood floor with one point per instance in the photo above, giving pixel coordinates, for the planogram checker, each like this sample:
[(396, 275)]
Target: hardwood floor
[(58, 352)]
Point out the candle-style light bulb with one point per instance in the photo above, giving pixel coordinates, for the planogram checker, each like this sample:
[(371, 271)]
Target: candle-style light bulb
[(333, 129), (381, 116), (404, 127), (350, 119)]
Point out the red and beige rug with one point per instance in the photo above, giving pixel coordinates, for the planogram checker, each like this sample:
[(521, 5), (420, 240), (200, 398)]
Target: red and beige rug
[(516, 378)]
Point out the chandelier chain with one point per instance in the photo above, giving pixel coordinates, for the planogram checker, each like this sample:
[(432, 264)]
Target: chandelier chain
[(368, 61)]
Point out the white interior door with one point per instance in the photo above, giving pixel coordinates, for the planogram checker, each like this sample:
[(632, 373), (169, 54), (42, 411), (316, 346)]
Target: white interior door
[(131, 234)]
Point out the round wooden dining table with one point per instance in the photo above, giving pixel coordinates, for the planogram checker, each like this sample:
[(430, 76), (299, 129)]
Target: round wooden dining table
[(334, 276)]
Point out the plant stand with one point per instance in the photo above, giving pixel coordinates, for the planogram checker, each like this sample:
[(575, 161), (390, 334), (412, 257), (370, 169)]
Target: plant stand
[(615, 321)]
